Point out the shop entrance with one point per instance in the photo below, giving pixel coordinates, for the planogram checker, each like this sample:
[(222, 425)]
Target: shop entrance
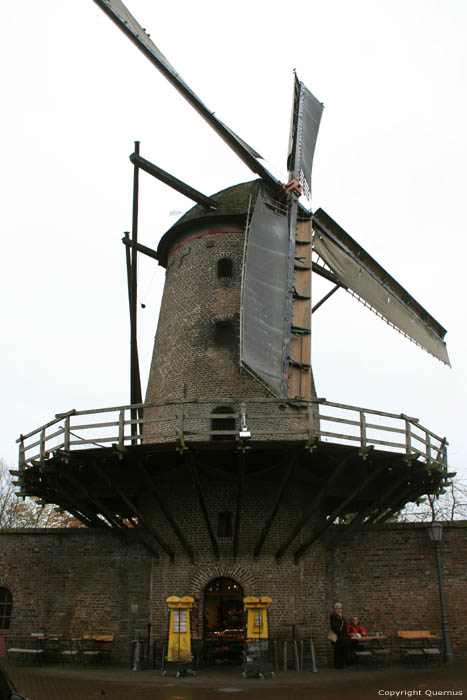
[(223, 621)]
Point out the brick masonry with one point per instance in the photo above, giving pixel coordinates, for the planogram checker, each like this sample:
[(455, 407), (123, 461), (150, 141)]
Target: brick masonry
[(187, 363), (74, 582)]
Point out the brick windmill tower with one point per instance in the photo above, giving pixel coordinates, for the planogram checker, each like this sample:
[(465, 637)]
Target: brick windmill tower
[(232, 469)]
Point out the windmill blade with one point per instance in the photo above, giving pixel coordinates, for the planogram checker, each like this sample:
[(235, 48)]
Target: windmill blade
[(360, 273), (304, 126), (264, 290), (119, 14)]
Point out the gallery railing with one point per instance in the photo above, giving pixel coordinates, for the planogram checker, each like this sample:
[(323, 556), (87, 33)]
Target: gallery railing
[(313, 421)]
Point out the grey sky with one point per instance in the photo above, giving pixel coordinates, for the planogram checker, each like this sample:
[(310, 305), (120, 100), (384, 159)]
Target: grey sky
[(390, 167)]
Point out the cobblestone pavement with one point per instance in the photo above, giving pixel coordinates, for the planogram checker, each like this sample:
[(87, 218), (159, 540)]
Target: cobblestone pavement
[(117, 683)]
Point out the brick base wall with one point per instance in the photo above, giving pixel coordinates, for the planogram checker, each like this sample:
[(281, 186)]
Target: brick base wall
[(388, 577), (74, 582)]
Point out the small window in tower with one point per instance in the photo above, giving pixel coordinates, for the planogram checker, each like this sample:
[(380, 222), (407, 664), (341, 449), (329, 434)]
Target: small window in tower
[(224, 268), (223, 423), (224, 524), (6, 604), (224, 333)]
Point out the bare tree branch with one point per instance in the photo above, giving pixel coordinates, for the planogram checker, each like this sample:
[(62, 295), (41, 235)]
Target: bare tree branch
[(27, 513), (451, 505)]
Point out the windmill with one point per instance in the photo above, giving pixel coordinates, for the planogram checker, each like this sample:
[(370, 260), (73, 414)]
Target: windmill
[(266, 377), (266, 353)]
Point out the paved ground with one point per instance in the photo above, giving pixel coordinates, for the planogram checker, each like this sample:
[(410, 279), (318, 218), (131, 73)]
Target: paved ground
[(117, 683)]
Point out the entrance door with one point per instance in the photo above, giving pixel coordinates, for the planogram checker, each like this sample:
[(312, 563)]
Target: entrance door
[(223, 621)]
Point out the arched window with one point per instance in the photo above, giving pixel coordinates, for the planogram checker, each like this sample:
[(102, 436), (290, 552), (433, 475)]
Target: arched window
[(6, 604), (222, 423), (224, 268)]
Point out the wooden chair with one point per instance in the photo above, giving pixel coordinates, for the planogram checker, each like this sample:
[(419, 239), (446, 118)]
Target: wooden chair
[(97, 648), (411, 644), (383, 654), (27, 648), (363, 657), (70, 650), (52, 645)]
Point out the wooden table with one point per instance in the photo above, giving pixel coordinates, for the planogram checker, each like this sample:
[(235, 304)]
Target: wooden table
[(380, 652)]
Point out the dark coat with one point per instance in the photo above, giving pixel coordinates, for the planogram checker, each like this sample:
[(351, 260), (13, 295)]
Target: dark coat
[(339, 626)]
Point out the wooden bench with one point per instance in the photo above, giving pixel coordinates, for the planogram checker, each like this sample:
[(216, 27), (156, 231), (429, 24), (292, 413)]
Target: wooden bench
[(415, 645), (97, 646), (25, 647)]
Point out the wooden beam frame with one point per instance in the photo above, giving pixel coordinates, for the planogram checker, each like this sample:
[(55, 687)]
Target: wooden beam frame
[(314, 506), (279, 497), (240, 494), (384, 499), (142, 521), (109, 516), (167, 514), (202, 503), (329, 521)]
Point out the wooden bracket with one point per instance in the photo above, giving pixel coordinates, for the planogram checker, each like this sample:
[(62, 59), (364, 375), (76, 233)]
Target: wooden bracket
[(312, 444), (364, 452), (293, 186), (181, 445)]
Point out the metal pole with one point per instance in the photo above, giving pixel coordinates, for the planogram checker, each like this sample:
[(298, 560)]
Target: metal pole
[(313, 658), (135, 382), (448, 655)]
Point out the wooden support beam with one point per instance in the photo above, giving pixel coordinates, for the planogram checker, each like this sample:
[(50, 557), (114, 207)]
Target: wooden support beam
[(82, 518), (150, 252), (75, 502), (315, 504), (86, 516), (337, 511), (385, 499), (325, 298), (356, 521), (173, 182), (275, 507), (240, 493), (398, 503), (110, 517), (167, 514), (143, 522), (204, 510)]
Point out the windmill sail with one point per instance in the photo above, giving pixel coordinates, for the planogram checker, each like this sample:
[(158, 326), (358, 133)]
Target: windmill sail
[(360, 273), (270, 264), (118, 12), (306, 117), (263, 294)]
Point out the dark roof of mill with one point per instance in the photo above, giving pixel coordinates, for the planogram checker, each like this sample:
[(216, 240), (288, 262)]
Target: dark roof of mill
[(232, 205)]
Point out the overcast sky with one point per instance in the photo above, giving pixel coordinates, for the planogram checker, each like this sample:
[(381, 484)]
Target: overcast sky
[(390, 167)]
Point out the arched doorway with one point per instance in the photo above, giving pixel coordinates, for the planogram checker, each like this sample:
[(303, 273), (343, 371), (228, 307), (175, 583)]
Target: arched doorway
[(223, 621)]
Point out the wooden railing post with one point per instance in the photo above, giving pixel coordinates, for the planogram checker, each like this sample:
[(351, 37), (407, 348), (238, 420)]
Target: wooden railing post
[(428, 447), (22, 453), (362, 429), (42, 444), (121, 427), (66, 437), (408, 437), (180, 426), (311, 421)]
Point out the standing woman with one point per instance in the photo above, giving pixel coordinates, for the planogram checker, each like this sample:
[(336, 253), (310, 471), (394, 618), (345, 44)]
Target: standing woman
[(339, 626)]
